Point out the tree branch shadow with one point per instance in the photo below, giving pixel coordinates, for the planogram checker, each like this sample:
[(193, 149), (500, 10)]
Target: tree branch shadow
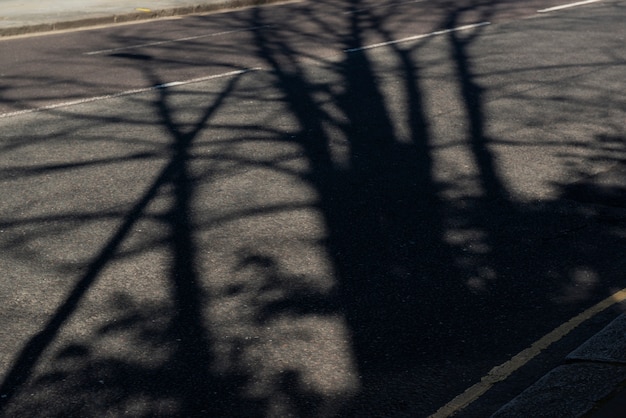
[(432, 254)]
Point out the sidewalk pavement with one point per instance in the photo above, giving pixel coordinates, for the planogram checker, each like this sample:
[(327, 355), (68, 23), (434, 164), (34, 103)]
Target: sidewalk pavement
[(19, 17), (591, 382)]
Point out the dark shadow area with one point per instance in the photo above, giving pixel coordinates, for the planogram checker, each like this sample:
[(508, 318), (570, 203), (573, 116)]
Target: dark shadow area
[(437, 263)]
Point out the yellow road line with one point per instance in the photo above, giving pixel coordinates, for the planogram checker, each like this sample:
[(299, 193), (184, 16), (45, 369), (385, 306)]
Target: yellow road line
[(501, 372)]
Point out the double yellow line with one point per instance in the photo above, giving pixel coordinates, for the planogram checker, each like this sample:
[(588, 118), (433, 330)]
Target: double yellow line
[(503, 371)]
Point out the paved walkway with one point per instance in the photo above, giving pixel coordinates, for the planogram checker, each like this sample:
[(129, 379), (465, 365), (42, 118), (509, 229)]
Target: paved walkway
[(590, 382), (29, 16)]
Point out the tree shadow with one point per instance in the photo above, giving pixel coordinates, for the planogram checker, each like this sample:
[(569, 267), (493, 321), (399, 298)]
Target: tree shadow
[(179, 378), (428, 265)]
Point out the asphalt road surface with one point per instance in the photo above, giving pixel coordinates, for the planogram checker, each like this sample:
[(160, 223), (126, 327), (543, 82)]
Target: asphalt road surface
[(315, 209)]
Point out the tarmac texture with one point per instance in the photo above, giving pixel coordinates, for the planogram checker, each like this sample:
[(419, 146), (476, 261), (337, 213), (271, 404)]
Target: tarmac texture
[(590, 382)]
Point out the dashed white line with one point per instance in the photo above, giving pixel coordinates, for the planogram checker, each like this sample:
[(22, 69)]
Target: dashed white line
[(170, 41), (413, 38), (567, 6), (125, 93)]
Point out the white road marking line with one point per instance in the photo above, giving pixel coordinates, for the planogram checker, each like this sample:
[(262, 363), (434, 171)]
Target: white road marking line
[(503, 371), (188, 38), (125, 93), (382, 5), (412, 38), (566, 6)]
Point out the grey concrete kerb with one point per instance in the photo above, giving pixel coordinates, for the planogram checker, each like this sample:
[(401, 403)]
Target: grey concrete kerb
[(103, 18), (591, 374)]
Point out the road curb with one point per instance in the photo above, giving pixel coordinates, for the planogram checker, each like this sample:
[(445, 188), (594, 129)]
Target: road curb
[(107, 19), (589, 377)]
